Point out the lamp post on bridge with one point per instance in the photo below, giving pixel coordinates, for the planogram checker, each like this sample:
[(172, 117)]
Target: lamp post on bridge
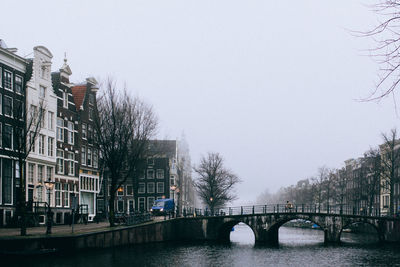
[(49, 186)]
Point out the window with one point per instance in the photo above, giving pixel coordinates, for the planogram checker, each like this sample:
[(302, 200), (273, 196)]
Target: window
[(42, 117), (1, 78), (150, 187), (66, 194), (83, 155), (129, 190), (18, 109), (50, 122), (160, 174), (160, 187), (7, 105), (60, 161), (90, 133), (39, 193), (89, 156), (90, 113), (141, 206), (18, 84), (41, 144), (7, 80), (60, 129), (7, 181), (150, 161), (70, 133), (50, 146), (172, 180), (1, 99), (49, 173), (150, 174), (83, 130), (31, 173), (150, 202), (71, 164), (120, 191), (32, 141), (91, 99), (141, 189), (58, 194), (95, 158), (142, 174), (42, 92), (120, 206), (40, 173), (7, 136), (65, 100)]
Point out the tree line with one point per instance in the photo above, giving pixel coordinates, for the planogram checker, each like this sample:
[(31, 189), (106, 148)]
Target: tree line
[(362, 183)]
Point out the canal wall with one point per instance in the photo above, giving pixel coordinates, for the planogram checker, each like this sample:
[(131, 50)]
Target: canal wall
[(169, 230), (179, 229)]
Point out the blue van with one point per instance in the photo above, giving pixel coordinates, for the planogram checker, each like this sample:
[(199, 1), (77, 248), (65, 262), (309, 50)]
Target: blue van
[(163, 206)]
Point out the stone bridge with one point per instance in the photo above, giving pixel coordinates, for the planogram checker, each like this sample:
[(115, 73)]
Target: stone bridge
[(265, 225)]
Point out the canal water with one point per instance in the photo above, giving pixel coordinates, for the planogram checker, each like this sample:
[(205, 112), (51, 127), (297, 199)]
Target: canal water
[(297, 247)]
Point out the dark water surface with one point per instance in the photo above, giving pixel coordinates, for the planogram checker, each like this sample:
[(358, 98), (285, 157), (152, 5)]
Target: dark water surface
[(297, 247)]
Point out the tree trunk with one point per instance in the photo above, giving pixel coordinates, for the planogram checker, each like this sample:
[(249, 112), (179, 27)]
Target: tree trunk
[(111, 216)]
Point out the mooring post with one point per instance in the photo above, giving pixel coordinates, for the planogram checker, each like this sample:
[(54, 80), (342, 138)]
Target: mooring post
[(241, 210)]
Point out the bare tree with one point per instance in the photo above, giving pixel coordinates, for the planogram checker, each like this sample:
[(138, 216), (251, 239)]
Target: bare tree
[(28, 123), (319, 181), (123, 126), (390, 153), (387, 50), (215, 183), (373, 160)]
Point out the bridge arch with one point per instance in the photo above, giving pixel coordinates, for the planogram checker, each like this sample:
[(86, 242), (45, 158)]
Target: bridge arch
[(366, 222), (274, 226), (225, 229)]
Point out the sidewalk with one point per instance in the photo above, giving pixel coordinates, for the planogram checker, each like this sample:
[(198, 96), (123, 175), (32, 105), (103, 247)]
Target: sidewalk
[(64, 229), (56, 229)]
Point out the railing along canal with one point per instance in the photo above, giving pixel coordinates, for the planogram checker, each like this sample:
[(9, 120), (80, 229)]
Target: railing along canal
[(297, 208)]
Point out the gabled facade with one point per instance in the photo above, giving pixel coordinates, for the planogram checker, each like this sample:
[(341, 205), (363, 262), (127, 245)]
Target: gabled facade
[(12, 95), (89, 175), (41, 161), (67, 150)]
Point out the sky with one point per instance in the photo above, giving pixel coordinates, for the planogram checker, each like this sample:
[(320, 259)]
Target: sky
[(273, 86)]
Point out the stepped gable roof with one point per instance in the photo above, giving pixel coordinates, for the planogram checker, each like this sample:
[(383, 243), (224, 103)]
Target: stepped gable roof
[(79, 92)]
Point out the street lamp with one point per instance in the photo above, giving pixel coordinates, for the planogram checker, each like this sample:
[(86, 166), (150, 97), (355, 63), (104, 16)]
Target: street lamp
[(49, 186), (173, 188)]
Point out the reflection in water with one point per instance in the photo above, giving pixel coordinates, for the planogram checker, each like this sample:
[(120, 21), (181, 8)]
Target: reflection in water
[(298, 247)]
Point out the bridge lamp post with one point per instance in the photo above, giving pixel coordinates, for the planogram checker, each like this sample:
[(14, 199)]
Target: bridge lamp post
[(49, 186), (211, 206)]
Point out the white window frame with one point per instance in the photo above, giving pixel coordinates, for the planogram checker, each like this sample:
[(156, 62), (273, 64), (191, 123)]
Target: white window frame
[(71, 163), (11, 109), (50, 146), (10, 83), (153, 188), (50, 122), (83, 155), (65, 100), (42, 91), (60, 129), (15, 84), (70, 133), (142, 186), (163, 187)]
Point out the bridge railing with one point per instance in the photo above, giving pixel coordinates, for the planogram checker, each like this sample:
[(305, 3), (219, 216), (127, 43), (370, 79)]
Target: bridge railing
[(297, 208)]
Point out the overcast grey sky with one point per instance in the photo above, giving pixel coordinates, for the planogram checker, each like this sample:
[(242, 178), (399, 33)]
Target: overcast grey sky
[(271, 85)]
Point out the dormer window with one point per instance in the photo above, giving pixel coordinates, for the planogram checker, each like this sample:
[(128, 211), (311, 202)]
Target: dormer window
[(65, 100), (43, 72), (91, 99), (42, 92)]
